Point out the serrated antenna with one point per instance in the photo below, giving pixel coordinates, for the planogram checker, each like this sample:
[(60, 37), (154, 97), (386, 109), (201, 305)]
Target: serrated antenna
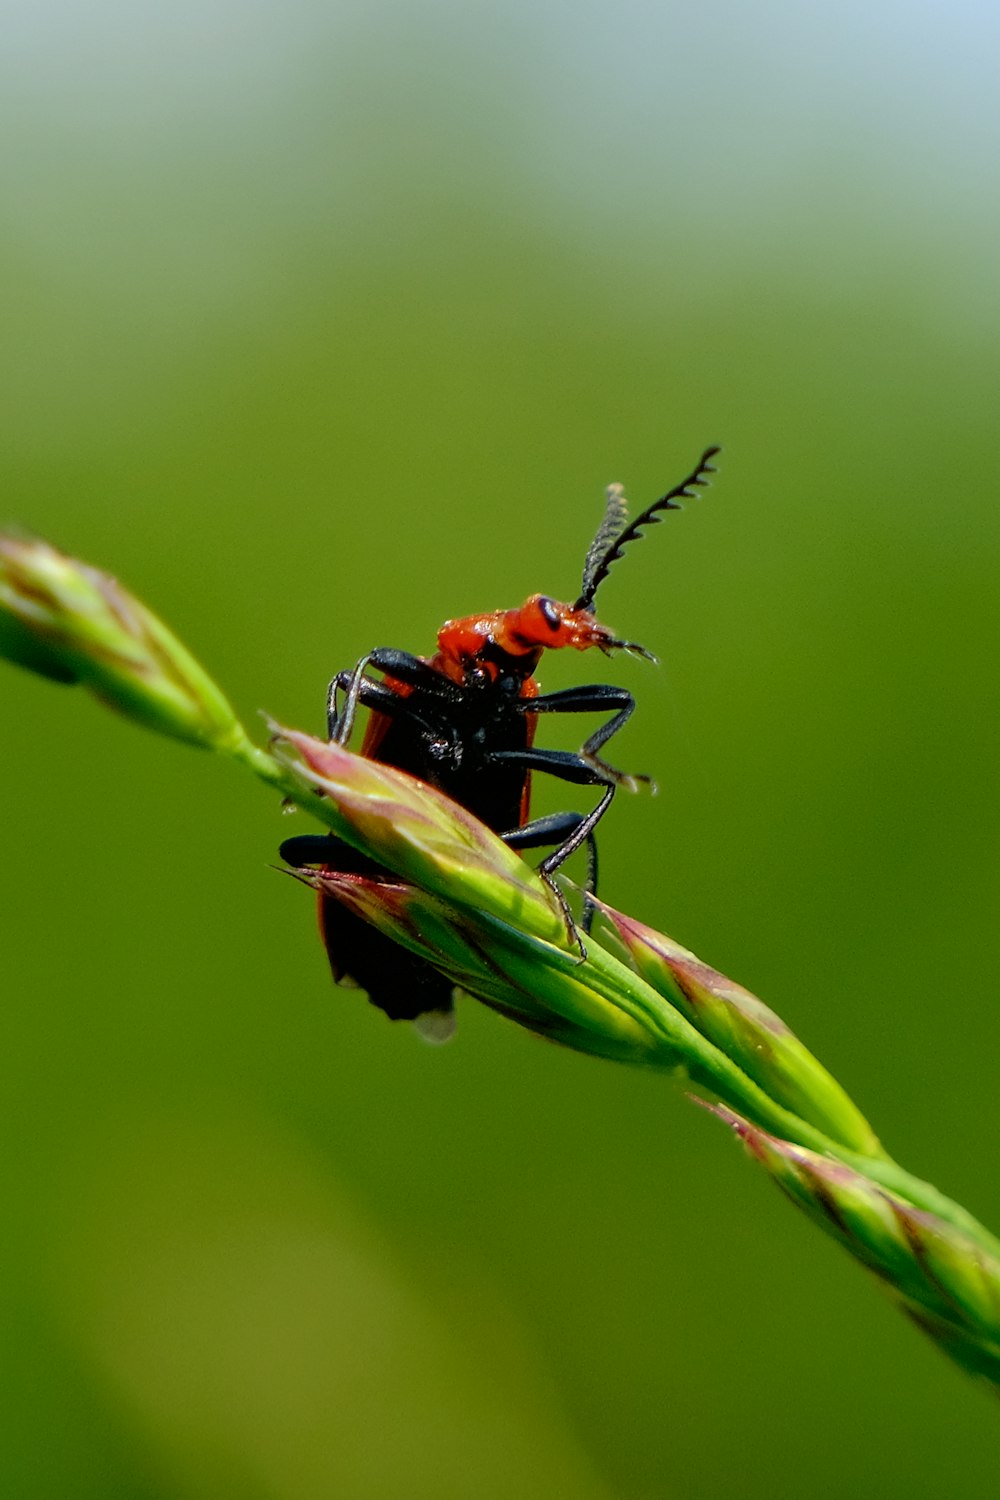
[(610, 542), (615, 516)]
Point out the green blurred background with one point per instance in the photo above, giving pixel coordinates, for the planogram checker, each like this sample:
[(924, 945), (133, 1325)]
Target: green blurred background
[(325, 322)]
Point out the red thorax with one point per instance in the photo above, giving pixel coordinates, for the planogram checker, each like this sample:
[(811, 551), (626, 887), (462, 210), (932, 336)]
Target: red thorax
[(520, 635)]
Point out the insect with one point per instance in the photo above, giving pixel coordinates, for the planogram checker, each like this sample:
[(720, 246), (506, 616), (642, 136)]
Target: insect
[(464, 720)]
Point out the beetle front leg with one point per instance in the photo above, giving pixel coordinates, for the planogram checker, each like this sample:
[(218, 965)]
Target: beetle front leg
[(404, 667), (370, 694), (340, 724), (594, 698)]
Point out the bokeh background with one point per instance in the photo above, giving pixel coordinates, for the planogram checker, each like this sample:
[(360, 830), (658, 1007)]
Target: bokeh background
[(322, 323)]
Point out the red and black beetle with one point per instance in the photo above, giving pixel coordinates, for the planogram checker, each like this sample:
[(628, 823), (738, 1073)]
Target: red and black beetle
[(464, 721)]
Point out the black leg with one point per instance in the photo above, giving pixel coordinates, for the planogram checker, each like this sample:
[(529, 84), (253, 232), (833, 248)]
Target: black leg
[(339, 725), (596, 697), (569, 767), (583, 832), (404, 667), (541, 832), (415, 672), (578, 829), (311, 849), (564, 764), (370, 694), (562, 829)]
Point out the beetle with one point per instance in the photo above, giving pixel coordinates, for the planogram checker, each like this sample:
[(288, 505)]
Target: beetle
[(464, 721)]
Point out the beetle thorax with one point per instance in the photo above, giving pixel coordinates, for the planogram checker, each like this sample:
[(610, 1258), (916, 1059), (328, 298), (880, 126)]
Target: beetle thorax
[(511, 641)]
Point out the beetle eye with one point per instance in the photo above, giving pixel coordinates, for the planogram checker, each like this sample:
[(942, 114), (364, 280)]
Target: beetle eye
[(549, 613)]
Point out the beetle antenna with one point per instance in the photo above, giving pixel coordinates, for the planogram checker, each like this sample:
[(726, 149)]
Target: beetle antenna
[(615, 516), (610, 542)]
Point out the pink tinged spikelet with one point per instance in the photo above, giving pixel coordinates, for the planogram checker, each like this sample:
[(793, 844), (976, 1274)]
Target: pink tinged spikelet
[(525, 979), (748, 1032), (75, 624), (941, 1278), (422, 835)]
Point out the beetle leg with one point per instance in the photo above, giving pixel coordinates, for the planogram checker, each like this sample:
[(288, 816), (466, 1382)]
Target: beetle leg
[(370, 694), (594, 698), (543, 831), (578, 829), (311, 849), (558, 828), (583, 832), (567, 765), (416, 673), (340, 723)]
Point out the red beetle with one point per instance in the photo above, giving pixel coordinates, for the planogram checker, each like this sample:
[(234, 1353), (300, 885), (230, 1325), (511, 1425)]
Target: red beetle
[(464, 721)]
